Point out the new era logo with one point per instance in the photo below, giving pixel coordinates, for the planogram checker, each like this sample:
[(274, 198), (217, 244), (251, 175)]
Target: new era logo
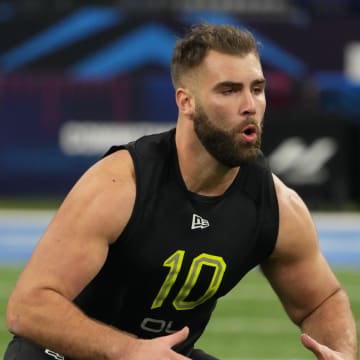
[(198, 222), (54, 354)]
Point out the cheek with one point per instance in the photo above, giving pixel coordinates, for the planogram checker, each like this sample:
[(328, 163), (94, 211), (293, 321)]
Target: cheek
[(224, 107), (262, 103), (221, 115)]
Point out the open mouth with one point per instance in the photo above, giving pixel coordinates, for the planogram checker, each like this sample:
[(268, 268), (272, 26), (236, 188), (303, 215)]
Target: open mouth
[(249, 133)]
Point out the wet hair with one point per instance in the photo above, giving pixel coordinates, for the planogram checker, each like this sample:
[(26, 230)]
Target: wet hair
[(190, 51)]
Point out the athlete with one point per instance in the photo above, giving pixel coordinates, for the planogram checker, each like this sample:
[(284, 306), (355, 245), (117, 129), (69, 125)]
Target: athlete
[(149, 238)]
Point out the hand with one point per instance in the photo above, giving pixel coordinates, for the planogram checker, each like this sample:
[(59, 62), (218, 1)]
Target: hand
[(159, 348), (322, 352)]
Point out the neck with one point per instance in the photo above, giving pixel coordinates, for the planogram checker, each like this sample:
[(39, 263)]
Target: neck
[(202, 174)]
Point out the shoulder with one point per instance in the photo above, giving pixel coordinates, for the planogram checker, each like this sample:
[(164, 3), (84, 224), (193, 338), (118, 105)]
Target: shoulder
[(105, 194), (297, 231), (288, 198), (116, 169), (119, 164)]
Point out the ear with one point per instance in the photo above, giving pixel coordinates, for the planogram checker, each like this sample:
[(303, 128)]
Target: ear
[(185, 101)]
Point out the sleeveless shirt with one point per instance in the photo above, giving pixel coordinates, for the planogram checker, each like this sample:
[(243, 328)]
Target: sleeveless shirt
[(181, 251)]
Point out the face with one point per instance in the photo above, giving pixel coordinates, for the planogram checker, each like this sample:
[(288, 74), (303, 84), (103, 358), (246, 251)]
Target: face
[(229, 107)]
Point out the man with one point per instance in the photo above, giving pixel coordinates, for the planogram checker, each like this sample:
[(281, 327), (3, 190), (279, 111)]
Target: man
[(150, 236)]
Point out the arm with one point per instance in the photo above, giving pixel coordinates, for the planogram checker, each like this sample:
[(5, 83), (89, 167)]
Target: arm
[(68, 256), (305, 284)]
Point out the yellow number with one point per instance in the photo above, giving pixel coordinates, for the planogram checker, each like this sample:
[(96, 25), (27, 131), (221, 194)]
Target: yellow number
[(219, 265), (175, 262)]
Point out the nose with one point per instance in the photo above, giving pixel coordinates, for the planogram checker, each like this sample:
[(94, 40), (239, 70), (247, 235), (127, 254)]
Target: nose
[(247, 106)]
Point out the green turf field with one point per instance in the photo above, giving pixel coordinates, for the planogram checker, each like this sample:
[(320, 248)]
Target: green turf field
[(248, 324), (8, 276)]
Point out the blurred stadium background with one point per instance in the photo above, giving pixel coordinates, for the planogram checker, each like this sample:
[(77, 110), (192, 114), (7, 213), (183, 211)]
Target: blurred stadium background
[(79, 76)]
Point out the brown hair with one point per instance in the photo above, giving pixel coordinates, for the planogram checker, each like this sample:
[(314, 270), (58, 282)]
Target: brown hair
[(192, 49)]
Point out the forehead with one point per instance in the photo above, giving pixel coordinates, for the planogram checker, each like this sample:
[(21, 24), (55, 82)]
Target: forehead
[(218, 67)]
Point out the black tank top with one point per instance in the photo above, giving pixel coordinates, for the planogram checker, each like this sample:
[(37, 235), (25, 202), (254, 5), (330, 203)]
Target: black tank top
[(181, 251)]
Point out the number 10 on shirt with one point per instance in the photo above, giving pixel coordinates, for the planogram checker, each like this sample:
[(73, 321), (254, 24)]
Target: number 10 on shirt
[(174, 263)]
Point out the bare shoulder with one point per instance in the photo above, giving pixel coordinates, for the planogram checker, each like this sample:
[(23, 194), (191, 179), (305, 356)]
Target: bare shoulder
[(105, 193), (116, 167), (297, 231), (287, 197)]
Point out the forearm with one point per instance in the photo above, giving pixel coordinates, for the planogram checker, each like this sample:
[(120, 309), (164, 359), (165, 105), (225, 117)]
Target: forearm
[(333, 325), (56, 323)]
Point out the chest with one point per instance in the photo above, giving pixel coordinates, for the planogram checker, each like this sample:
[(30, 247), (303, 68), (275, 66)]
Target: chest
[(192, 248)]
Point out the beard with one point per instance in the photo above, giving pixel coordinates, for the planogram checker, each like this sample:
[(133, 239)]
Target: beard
[(226, 146)]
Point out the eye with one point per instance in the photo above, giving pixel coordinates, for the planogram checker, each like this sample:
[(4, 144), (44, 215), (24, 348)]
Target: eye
[(228, 91), (258, 90)]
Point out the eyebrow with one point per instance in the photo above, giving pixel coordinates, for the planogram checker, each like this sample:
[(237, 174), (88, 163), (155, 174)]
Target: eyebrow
[(234, 84)]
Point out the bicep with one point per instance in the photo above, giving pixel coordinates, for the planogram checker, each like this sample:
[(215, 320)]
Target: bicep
[(297, 270), (74, 247)]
